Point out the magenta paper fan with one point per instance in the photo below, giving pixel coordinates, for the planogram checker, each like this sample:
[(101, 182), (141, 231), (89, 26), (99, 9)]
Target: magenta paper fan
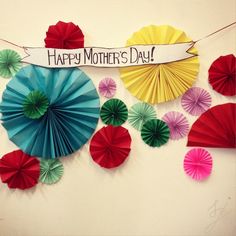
[(196, 101), (198, 163), (107, 87), (177, 123)]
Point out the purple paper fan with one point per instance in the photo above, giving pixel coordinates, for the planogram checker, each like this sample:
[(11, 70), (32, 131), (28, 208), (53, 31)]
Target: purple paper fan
[(177, 123), (107, 87), (196, 101)]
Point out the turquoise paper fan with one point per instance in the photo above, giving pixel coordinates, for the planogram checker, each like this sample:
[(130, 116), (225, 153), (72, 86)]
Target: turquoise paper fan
[(69, 121)]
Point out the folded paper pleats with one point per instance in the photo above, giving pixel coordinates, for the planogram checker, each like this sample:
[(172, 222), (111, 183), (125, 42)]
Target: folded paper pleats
[(110, 146), (69, 121), (19, 170), (215, 128)]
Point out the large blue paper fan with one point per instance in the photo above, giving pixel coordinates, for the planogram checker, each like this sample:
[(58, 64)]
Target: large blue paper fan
[(69, 121)]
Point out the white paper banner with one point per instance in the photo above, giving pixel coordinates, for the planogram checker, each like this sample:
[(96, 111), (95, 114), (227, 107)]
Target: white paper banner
[(108, 57)]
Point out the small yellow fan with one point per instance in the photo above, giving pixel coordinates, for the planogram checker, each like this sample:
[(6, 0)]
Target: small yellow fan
[(162, 82)]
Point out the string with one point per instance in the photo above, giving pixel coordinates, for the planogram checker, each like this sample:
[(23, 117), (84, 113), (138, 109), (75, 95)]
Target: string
[(217, 31), (205, 37), (6, 41)]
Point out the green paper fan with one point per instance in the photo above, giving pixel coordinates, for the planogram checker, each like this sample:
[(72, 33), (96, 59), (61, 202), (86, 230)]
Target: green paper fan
[(10, 63), (35, 105), (51, 170), (114, 112), (140, 113), (155, 133)]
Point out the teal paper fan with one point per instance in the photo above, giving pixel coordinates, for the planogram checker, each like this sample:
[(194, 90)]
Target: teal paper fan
[(65, 125), (140, 113), (155, 133), (114, 112), (51, 171), (10, 63)]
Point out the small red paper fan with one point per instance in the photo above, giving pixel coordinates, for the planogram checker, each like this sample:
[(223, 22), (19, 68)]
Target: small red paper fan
[(110, 146), (222, 75), (215, 128), (64, 35), (19, 170)]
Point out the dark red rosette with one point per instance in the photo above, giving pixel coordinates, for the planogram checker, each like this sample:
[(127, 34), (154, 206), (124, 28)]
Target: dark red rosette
[(19, 170), (222, 75), (110, 146), (64, 35), (215, 128)]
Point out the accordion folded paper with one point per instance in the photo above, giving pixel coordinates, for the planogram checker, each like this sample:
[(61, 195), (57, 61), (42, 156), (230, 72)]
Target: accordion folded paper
[(196, 101), (198, 163), (162, 82), (222, 75), (114, 112), (69, 121), (19, 170), (9, 63), (107, 87), (215, 128), (140, 113), (64, 35), (177, 123), (51, 171), (155, 133), (110, 146)]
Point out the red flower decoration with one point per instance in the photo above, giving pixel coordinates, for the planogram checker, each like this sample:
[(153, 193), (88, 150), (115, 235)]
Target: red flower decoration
[(215, 128), (110, 146), (222, 75), (64, 35), (19, 170)]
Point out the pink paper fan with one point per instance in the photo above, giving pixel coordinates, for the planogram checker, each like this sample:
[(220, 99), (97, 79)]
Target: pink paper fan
[(107, 87), (198, 163), (177, 123), (196, 101)]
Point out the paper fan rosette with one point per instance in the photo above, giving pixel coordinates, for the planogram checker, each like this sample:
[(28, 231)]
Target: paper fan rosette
[(110, 146), (155, 132), (222, 75), (162, 82), (114, 112), (64, 124), (64, 35), (198, 164), (10, 63), (51, 171), (140, 113), (177, 123), (19, 170), (196, 101), (107, 87), (215, 128)]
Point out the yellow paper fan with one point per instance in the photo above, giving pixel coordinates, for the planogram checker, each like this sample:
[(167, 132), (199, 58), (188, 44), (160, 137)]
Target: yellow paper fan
[(162, 82)]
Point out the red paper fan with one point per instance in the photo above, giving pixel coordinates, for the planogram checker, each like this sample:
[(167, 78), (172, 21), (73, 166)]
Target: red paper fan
[(110, 146), (19, 170), (215, 128), (64, 35), (222, 75)]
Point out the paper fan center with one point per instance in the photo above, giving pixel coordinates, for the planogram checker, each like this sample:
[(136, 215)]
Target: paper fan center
[(35, 105)]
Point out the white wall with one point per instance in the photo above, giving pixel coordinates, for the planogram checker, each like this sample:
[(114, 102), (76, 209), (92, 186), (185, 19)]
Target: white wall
[(150, 195)]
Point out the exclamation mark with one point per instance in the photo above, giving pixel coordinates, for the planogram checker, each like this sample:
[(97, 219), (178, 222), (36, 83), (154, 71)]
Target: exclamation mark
[(152, 52)]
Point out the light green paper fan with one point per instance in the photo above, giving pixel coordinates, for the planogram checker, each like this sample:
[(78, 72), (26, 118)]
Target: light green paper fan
[(10, 63), (140, 113), (51, 170)]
